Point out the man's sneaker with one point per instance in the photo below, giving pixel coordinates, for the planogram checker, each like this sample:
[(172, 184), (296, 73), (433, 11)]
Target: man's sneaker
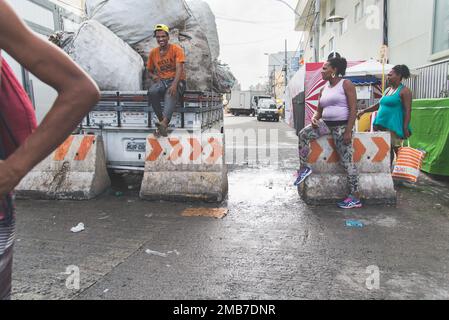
[(302, 175), (350, 203)]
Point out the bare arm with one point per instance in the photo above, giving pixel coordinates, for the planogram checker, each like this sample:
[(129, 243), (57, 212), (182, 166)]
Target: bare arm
[(179, 71), (319, 112), (351, 95), (406, 97), (373, 108), (153, 74), (77, 93)]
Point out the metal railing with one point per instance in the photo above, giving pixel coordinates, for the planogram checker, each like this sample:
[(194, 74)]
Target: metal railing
[(431, 82)]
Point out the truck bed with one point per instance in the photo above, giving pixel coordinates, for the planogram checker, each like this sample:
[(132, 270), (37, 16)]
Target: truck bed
[(125, 120)]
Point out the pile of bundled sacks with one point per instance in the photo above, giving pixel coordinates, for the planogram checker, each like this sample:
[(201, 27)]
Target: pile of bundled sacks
[(113, 44)]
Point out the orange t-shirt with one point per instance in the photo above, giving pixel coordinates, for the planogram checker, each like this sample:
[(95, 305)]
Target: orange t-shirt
[(165, 65)]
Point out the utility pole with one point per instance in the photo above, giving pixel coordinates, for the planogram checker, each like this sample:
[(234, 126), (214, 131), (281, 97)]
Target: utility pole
[(286, 64), (385, 29), (274, 81), (316, 36)]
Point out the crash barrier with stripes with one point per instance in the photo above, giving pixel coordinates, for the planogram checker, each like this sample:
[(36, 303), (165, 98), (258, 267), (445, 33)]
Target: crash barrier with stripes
[(408, 164), (76, 171), (125, 120), (372, 156), (185, 166)]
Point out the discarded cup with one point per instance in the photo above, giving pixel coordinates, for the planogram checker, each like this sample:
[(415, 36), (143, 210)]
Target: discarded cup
[(156, 253), (80, 227), (354, 224)]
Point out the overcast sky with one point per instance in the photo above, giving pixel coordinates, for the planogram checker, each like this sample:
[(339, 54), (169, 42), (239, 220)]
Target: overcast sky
[(269, 23)]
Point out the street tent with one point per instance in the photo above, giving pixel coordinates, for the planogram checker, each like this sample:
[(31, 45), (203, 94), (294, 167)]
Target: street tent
[(369, 68), (294, 88)]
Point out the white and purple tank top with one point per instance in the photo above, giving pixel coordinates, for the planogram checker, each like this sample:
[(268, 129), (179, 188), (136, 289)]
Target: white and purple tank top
[(334, 103)]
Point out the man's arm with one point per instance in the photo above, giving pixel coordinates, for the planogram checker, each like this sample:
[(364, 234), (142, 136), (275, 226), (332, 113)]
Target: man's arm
[(77, 93), (151, 68), (179, 71)]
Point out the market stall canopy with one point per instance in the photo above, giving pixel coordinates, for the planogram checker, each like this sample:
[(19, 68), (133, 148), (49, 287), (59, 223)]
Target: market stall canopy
[(368, 68), (364, 81), (296, 84)]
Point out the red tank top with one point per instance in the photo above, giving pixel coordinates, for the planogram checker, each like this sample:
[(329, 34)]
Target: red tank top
[(17, 116)]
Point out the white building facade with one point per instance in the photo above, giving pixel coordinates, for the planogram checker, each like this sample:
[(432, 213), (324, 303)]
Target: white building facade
[(417, 31), (44, 17)]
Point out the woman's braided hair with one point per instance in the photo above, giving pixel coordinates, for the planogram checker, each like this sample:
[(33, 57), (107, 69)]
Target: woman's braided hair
[(402, 70), (338, 62)]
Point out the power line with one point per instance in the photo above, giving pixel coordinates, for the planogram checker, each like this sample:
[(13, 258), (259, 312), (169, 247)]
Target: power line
[(252, 21)]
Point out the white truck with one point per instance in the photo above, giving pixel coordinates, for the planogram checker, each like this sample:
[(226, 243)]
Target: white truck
[(267, 110), (245, 102), (125, 120)]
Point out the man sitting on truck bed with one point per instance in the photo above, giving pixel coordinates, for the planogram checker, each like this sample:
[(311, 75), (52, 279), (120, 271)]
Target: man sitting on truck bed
[(166, 69)]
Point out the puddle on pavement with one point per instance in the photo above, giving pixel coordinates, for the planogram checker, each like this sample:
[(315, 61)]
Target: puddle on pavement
[(261, 186)]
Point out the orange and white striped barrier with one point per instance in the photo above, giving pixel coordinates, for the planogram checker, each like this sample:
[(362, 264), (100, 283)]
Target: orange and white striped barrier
[(185, 167), (371, 153), (372, 157), (75, 170)]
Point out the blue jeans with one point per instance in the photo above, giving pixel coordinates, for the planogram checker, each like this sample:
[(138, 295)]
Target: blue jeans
[(159, 91)]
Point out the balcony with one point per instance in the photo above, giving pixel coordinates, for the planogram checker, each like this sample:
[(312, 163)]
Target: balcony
[(306, 9)]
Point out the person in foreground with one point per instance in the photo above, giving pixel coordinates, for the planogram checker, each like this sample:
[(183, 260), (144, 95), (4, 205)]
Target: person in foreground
[(336, 115), (25, 148)]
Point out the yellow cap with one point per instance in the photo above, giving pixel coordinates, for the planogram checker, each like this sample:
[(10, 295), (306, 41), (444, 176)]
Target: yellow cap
[(162, 27)]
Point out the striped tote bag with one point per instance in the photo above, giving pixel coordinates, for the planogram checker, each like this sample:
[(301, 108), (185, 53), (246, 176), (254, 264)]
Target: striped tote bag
[(409, 164)]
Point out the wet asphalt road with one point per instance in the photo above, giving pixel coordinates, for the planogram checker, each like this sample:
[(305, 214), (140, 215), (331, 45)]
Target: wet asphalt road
[(269, 246)]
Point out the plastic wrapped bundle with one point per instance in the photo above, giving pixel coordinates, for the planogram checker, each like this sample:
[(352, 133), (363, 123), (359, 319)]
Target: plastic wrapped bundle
[(206, 19), (134, 20), (223, 79), (112, 63)]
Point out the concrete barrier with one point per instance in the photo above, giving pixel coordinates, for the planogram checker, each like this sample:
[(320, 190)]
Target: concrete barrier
[(328, 183), (185, 167), (75, 171)]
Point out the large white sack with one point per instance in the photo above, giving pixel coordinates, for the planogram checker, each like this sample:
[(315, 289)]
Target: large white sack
[(112, 63), (199, 66), (223, 79), (206, 19), (134, 20)]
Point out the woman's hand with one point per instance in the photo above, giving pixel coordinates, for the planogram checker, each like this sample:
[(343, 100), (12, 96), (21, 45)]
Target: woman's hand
[(347, 137), (315, 123), (173, 90), (407, 133), (8, 179), (360, 114)]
